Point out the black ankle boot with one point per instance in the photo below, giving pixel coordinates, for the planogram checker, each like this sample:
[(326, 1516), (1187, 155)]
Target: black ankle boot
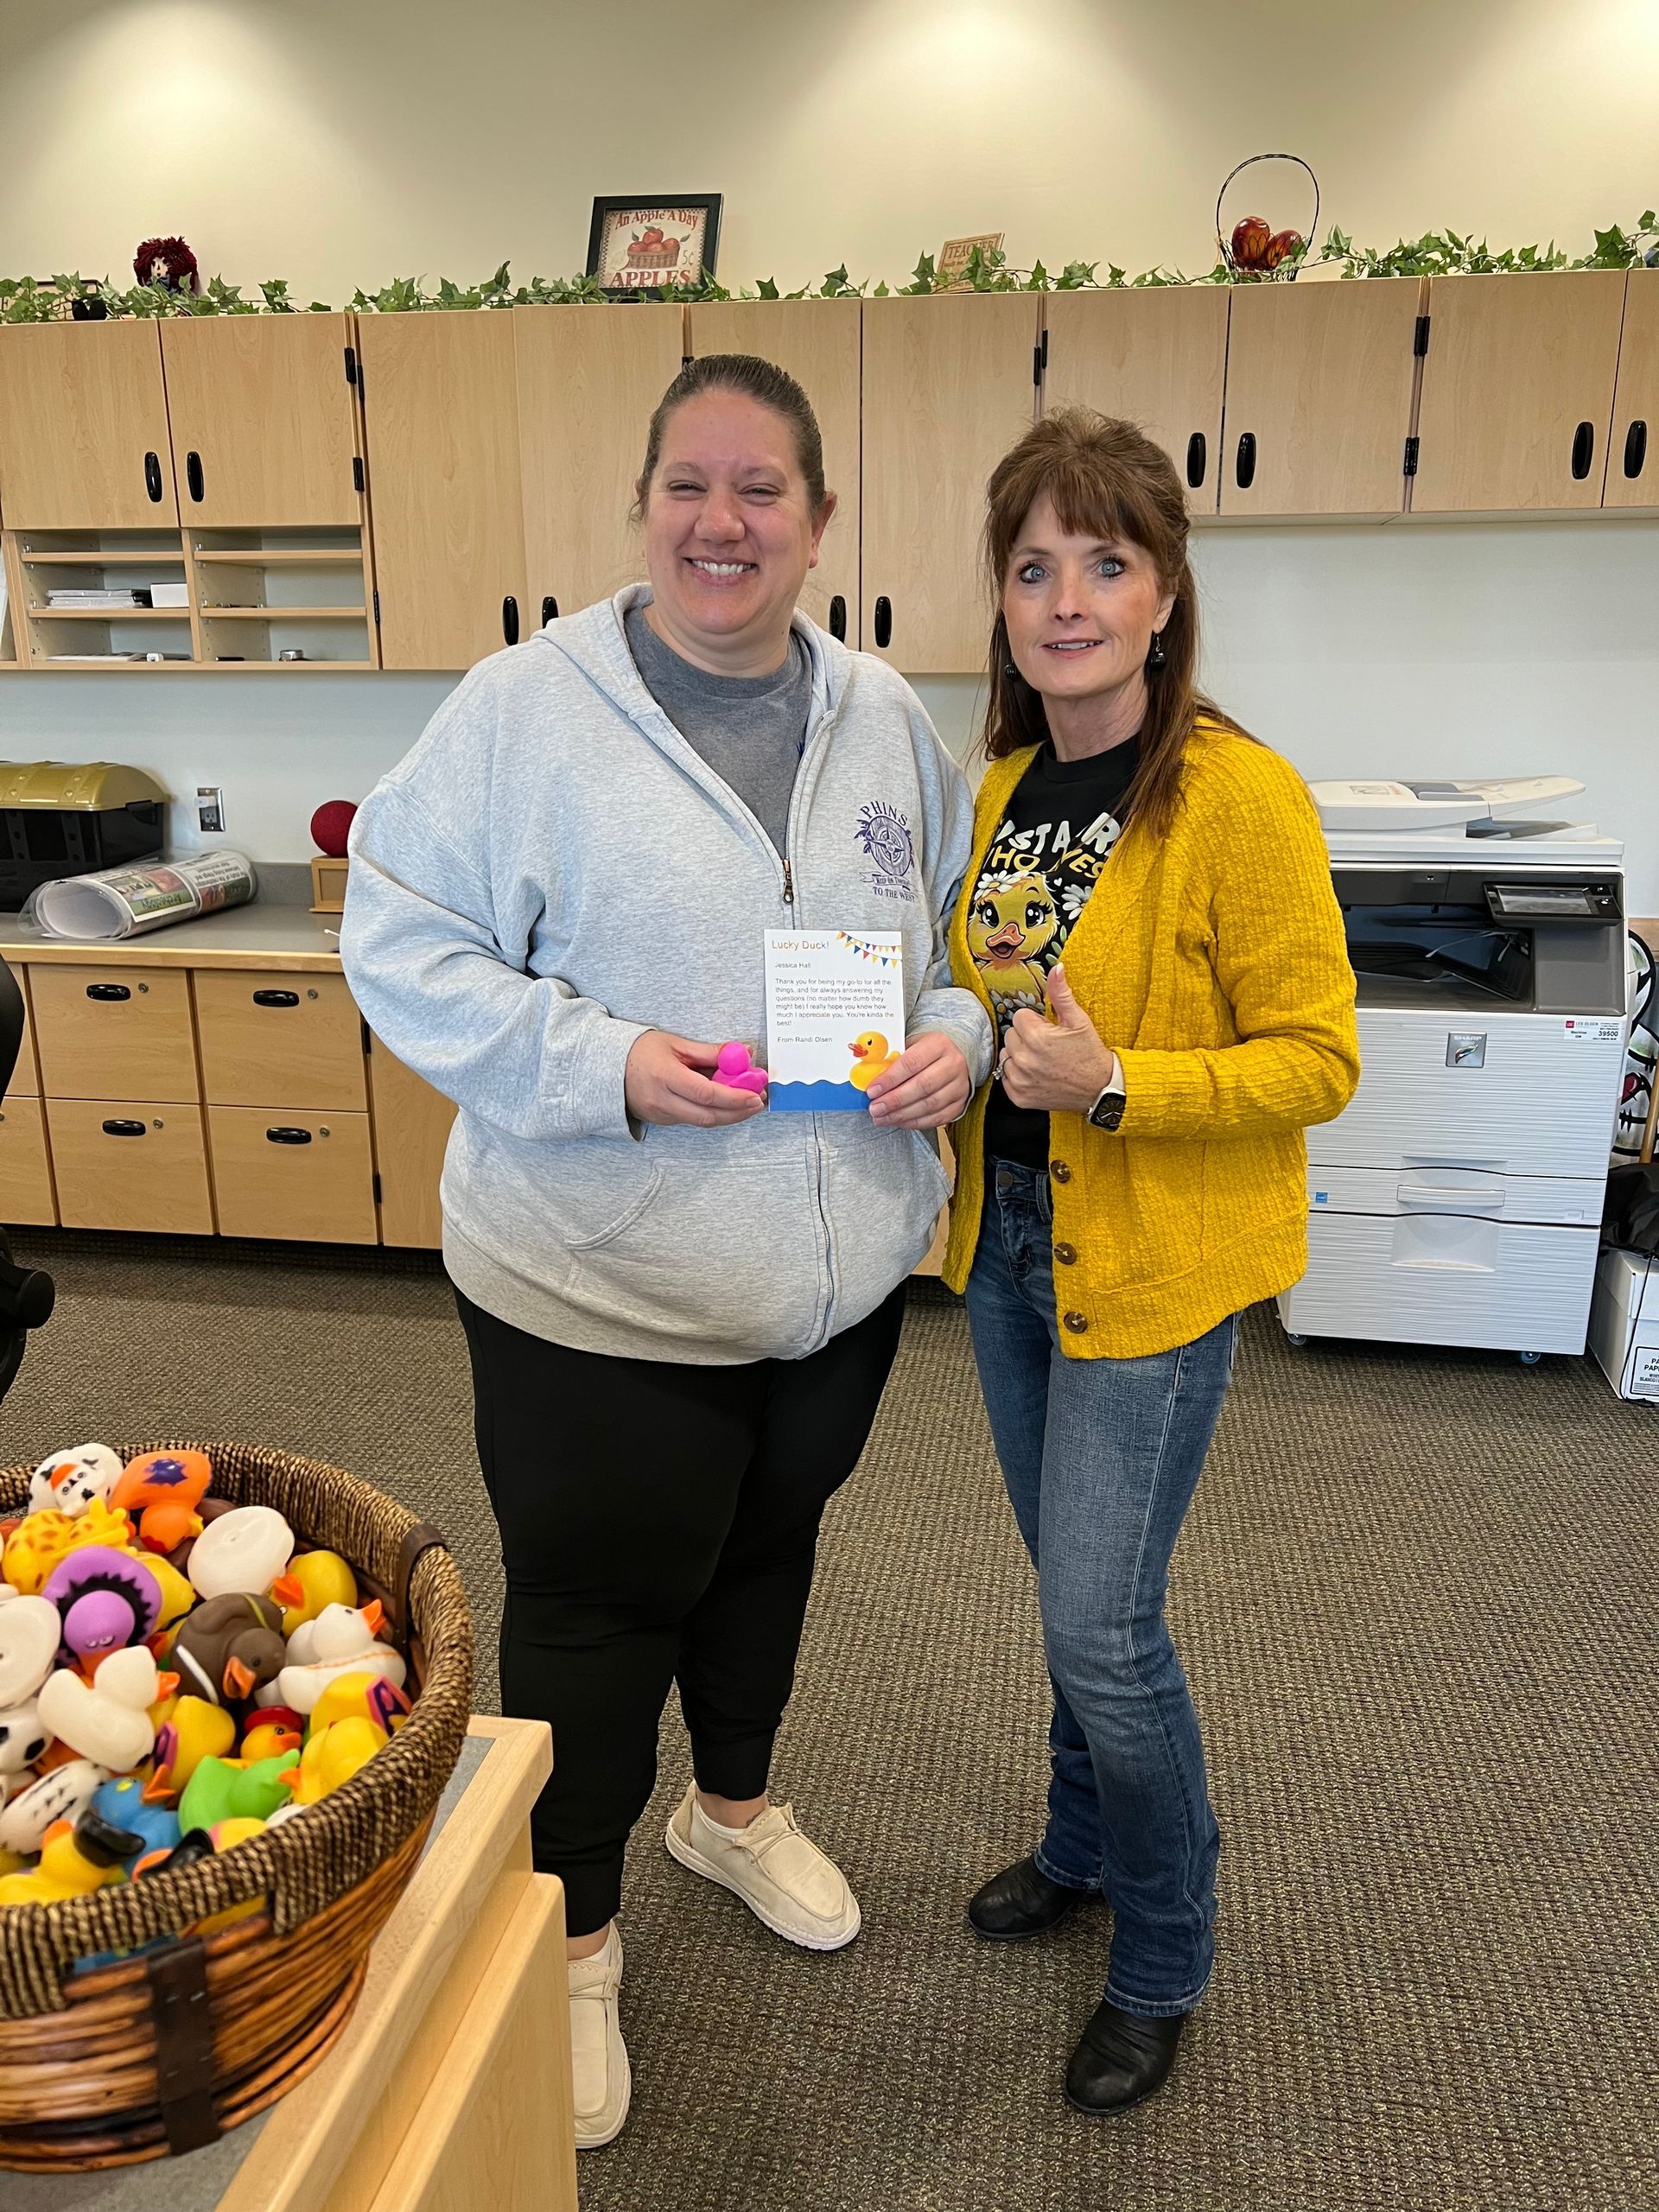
[(1122, 2061), (1020, 1901)]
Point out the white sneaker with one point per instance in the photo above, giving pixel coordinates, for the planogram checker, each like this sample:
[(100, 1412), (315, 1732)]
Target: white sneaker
[(599, 2057), (781, 1875)]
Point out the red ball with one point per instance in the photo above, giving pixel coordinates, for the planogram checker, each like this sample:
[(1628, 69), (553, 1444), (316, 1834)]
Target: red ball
[(331, 825)]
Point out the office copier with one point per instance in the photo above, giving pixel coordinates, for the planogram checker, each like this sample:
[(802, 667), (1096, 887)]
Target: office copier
[(1456, 1199)]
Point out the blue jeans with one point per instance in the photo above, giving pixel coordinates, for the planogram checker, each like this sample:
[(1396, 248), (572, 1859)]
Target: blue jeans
[(1101, 1458)]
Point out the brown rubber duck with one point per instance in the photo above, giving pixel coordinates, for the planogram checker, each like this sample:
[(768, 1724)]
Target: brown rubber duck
[(229, 1646)]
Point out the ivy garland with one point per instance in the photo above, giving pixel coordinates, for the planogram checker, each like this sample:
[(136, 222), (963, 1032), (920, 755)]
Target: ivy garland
[(1437, 254)]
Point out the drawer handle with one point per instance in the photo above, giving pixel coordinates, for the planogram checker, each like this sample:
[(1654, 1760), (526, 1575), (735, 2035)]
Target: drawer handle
[(1635, 448), (288, 1136), (1197, 459), (884, 623), (1584, 446), (838, 618), (124, 1128), (1244, 466), (153, 477), (510, 620), (550, 609), (109, 991), (193, 473), (275, 998)]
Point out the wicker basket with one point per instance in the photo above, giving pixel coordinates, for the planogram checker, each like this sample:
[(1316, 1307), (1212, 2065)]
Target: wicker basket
[(164, 2052)]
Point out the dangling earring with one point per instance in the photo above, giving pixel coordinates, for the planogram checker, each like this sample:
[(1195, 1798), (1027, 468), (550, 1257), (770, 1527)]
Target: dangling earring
[(1157, 656), (1010, 671)]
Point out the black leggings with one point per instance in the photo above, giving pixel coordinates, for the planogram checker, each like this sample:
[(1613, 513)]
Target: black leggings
[(658, 1524)]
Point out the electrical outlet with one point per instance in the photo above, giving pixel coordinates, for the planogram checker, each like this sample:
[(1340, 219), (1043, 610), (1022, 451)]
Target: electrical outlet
[(210, 807)]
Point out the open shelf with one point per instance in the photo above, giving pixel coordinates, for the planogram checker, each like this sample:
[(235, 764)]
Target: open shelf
[(313, 556), (259, 594)]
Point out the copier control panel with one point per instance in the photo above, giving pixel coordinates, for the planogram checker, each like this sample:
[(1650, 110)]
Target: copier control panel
[(1561, 900)]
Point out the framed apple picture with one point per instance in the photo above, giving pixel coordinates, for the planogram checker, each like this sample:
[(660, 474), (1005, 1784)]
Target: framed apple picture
[(654, 246)]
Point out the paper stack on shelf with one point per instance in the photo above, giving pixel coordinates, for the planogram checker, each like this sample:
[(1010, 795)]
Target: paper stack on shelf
[(100, 596)]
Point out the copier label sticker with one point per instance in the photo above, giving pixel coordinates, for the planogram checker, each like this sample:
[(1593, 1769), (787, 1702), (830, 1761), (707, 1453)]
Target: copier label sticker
[(1644, 1373), (1467, 1048), (1579, 1029)]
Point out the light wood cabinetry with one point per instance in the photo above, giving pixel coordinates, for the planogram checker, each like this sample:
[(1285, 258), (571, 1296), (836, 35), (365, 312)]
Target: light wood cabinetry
[(123, 1163), (288, 1173), (114, 1030), (819, 342), (412, 1123), (25, 1076), (441, 416), (262, 416), (1633, 449), (270, 1037), (587, 380), (26, 1193), (1321, 380), (949, 385), (1156, 358), (83, 427), (1517, 392)]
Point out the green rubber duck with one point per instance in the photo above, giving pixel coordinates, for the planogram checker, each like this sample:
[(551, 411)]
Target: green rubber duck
[(224, 1789)]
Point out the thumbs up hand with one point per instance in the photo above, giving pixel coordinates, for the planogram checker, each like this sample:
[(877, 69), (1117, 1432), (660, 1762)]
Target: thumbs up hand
[(1056, 1064)]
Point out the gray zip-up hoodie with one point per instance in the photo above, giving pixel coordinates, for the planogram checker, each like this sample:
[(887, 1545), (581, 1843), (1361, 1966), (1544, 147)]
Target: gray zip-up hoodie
[(552, 871)]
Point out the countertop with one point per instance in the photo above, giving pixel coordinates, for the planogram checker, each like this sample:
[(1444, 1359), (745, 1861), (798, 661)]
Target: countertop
[(274, 930)]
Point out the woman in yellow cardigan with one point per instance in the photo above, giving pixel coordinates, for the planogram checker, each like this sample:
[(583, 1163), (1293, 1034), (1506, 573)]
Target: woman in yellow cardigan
[(1134, 1172)]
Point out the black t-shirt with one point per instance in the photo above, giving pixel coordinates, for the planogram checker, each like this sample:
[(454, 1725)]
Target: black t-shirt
[(1062, 823)]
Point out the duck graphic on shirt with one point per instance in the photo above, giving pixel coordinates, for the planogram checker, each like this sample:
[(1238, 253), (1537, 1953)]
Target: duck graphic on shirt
[(1013, 923), (1034, 883)]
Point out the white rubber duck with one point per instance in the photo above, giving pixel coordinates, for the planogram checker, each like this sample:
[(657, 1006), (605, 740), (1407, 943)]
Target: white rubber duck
[(70, 1480), (340, 1641), (61, 1796), (107, 1720), (21, 1736), (244, 1550), (30, 1632)]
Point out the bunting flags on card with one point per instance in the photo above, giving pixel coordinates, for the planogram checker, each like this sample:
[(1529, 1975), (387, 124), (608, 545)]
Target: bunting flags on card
[(884, 956)]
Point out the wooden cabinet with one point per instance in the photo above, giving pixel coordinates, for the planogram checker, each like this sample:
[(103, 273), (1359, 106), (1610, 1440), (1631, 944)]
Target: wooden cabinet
[(1517, 393), (285, 1173), (262, 422), (25, 1077), (270, 1037), (114, 1031), (1633, 449), (411, 1129), (25, 1168), (949, 386), (83, 427), (129, 1163), (587, 381), (1319, 400), (1156, 358), (818, 342), (442, 421)]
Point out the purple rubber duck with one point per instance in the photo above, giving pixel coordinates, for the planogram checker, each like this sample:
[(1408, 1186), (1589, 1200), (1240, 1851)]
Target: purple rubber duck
[(106, 1599)]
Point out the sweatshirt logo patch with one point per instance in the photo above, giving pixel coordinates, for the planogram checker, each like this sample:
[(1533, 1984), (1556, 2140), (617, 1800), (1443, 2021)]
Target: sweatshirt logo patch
[(883, 835)]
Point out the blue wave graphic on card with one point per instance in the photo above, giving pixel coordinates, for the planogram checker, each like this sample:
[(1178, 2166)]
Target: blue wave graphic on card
[(815, 1098)]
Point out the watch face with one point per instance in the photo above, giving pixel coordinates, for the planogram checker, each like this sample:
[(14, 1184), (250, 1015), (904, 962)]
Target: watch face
[(1108, 1110)]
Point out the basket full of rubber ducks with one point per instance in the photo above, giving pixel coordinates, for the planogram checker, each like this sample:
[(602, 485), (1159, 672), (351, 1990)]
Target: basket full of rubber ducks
[(233, 1683)]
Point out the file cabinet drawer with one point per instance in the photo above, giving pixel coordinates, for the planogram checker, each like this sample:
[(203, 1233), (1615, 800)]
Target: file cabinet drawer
[(115, 1032), (276, 1039), (126, 1164), (25, 1082), (280, 1173), (25, 1177)]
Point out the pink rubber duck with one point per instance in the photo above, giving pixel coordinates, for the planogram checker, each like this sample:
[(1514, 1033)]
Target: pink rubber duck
[(736, 1069)]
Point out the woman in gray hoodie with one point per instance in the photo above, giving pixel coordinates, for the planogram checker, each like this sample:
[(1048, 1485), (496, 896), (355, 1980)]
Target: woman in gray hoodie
[(681, 1308)]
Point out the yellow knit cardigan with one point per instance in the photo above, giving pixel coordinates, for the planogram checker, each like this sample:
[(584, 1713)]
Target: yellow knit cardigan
[(1213, 961)]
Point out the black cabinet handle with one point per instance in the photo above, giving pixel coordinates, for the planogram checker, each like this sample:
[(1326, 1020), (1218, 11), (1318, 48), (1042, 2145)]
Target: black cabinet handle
[(1245, 466), (193, 473), (153, 477), (884, 622), (1635, 448), (550, 609), (510, 620), (108, 991), (1584, 446), (838, 618), (124, 1128), (1197, 459), (275, 998), (288, 1136)]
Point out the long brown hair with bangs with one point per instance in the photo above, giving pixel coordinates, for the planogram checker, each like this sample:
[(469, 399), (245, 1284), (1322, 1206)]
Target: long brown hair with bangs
[(1107, 480)]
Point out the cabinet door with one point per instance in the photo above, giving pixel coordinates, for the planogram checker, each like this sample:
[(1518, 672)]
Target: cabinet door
[(445, 507), (261, 415), (1517, 392), (121, 1030), (83, 427), (1633, 450), (25, 1172), (949, 386), (412, 1128), (1317, 407), (817, 341), (587, 381), (121, 1163), (285, 1173), (274, 1038), (1155, 357), (25, 1077)]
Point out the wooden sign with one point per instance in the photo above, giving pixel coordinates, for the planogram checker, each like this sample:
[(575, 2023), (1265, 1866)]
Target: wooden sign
[(953, 255)]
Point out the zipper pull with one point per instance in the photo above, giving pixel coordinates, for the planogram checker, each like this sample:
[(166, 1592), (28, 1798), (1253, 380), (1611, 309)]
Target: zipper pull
[(789, 886)]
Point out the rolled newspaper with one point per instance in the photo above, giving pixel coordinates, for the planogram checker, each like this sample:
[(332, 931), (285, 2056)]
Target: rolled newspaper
[(120, 902)]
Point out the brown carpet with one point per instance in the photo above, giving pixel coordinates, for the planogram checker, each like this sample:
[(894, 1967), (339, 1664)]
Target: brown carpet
[(1416, 1600)]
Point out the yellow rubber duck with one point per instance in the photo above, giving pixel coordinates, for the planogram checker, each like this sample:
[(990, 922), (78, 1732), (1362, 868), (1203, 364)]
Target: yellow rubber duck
[(332, 1756), (873, 1057), (187, 1730), (65, 1870), (361, 1696), (41, 1541), (312, 1580)]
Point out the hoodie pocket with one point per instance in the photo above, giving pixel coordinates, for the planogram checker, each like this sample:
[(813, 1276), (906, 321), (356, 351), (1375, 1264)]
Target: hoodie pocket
[(883, 1190)]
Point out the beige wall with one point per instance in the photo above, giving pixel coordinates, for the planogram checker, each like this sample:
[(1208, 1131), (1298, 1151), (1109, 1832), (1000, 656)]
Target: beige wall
[(335, 141)]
